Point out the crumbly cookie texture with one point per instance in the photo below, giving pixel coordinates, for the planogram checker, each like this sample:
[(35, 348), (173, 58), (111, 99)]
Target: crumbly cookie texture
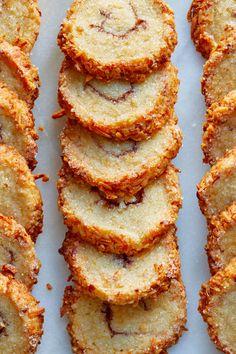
[(217, 189), (119, 109), (21, 318), (20, 197), (114, 40), (17, 125), (18, 73), (220, 128), (219, 74), (151, 326), (217, 306), (209, 18), (20, 22)]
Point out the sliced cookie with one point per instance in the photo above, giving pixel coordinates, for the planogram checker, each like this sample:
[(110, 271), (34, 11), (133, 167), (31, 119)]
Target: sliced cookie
[(119, 109), (220, 128), (217, 306), (119, 168), (113, 40)]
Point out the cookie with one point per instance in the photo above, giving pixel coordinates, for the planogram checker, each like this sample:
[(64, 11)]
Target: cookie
[(119, 109), (209, 18), (114, 40), (20, 197), (220, 128), (17, 125), (20, 22), (21, 318), (217, 306), (119, 169)]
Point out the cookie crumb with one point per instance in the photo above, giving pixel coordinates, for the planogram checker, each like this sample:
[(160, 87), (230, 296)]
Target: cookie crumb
[(43, 176), (58, 114), (41, 129), (49, 286)]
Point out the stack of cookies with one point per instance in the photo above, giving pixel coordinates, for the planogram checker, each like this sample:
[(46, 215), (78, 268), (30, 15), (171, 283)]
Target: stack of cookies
[(21, 214), (118, 190), (214, 33)]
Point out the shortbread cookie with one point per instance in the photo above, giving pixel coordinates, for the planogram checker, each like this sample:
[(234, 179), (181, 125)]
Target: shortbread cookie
[(19, 22), (209, 18), (119, 168), (124, 225), (113, 40), (151, 326), (217, 189), (17, 125), (217, 306), (17, 71), (20, 197), (121, 279), (221, 246), (220, 128), (119, 109), (219, 74), (21, 318), (17, 253)]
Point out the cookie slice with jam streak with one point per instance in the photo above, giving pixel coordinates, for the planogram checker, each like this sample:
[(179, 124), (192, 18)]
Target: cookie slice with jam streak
[(113, 40), (119, 109), (21, 318)]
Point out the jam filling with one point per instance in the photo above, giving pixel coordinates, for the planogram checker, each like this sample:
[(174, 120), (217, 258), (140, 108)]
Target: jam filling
[(124, 260), (120, 150), (3, 326)]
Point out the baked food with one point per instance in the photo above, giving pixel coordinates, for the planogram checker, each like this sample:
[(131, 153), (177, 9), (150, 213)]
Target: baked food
[(149, 327), (217, 189), (114, 226), (119, 169), (220, 128), (119, 109), (217, 306), (18, 73), (20, 196), (120, 279), (208, 21), (219, 74), (114, 40), (19, 22), (17, 125), (21, 318), (17, 253), (221, 246)]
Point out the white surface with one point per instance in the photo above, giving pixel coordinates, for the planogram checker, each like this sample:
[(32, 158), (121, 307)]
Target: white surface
[(192, 229)]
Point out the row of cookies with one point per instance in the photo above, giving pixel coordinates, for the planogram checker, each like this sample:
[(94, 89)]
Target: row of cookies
[(118, 191), (214, 33), (21, 214)]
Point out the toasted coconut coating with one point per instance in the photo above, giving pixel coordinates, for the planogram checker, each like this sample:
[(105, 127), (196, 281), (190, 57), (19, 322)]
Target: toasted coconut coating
[(20, 22), (119, 168), (20, 197), (119, 109), (217, 189), (209, 18), (220, 128), (151, 326), (17, 253), (18, 73), (21, 318), (115, 226), (221, 246), (219, 74), (113, 41), (17, 125), (217, 306)]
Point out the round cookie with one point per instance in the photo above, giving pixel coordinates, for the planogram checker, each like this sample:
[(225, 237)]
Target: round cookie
[(119, 109), (20, 22), (220, 128), (114, 40), (119, 169), (21, 319), (20, 197), (17, 125), (217, 306)]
